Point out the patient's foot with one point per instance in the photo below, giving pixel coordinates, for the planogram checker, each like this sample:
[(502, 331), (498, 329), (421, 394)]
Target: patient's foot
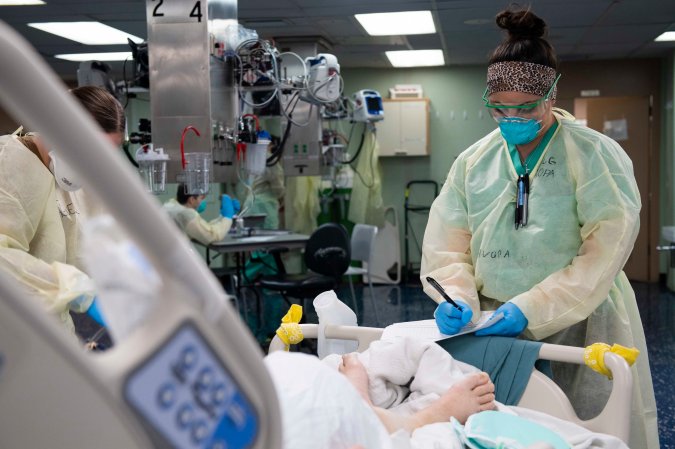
[(355, 372), (473, 394)]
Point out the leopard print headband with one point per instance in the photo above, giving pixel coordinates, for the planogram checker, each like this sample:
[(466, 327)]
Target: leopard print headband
[(518, 76)]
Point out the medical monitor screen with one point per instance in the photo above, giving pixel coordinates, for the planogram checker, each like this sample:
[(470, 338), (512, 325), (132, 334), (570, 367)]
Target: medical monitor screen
[(374, 104)]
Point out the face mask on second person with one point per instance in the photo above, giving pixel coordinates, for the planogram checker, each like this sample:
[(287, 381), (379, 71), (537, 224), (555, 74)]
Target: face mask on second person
[(202, 206), (520, 124), (65, 177)]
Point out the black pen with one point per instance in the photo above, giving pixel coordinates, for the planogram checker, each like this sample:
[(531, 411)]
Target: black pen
[(520, 198), (440, 290)]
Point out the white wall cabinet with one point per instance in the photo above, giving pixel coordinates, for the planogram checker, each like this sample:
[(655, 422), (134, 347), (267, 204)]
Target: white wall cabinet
[(405, 128)]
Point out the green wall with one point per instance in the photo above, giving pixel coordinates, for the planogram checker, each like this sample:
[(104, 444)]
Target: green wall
[(457, 120)]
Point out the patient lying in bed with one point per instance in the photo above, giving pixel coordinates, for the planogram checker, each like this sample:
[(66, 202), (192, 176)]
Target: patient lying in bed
[(394, 395), (472, 394)]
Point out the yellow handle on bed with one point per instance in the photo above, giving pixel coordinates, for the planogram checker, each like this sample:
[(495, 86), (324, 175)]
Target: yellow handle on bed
[(594, 356), (289, 332)]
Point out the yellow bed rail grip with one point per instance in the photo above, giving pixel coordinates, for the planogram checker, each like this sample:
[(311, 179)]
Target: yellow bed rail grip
[(289, 331), (594, 356)]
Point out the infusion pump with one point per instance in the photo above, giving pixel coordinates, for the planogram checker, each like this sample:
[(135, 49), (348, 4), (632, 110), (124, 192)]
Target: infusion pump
[(367, 106)]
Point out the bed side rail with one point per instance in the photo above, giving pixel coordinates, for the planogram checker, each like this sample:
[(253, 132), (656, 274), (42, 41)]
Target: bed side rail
[(363, 335), (615, 416)]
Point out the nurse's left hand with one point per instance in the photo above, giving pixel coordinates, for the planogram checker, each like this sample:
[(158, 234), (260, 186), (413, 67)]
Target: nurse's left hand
[(511, 325)]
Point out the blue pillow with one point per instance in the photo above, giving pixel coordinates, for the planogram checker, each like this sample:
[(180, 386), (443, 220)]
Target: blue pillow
[(499, 430)]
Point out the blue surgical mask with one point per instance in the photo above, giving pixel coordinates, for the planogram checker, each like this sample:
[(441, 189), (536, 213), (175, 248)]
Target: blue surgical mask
[(202, 206), (518, 130)]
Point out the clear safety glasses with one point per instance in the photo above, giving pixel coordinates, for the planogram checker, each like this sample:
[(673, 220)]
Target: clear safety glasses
[(533, 110)]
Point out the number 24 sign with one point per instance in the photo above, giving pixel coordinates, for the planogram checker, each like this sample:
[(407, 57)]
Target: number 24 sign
[(161, 10)]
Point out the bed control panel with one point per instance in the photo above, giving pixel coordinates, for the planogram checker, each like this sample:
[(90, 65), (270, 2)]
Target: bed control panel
[(188, 397)]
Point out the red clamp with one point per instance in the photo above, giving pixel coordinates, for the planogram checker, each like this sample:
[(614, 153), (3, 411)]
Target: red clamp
[(182, 142)]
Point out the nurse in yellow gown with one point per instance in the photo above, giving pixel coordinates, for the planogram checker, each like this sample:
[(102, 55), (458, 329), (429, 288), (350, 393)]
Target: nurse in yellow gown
[(42, 209), (550, 260)]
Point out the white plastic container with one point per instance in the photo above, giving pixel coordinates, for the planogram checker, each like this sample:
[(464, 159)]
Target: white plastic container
[(256, 156), (152, 166), (333, 311)]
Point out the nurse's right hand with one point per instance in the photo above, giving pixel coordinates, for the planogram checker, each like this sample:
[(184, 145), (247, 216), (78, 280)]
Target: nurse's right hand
[(226, 206), (450, 320)]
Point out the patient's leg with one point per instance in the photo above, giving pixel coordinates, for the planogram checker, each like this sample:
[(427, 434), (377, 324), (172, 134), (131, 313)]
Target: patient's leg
[(472, 394)]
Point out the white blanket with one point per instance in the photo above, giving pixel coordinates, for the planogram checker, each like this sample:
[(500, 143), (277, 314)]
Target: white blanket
[(321, 410), (407, 374)]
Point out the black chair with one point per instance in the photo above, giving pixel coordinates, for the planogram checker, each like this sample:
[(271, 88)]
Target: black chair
[(327, 257)]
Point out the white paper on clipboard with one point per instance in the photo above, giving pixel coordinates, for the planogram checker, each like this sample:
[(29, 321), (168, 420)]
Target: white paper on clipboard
[(428, 329)]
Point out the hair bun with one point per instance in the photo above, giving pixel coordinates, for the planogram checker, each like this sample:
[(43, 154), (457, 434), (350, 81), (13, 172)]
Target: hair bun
[(522, 24)]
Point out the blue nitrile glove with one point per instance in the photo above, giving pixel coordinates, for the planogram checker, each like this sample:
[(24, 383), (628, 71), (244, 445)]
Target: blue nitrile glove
[(226, 206), (95, 312), (237, 205), (511, 325), (449, 319)]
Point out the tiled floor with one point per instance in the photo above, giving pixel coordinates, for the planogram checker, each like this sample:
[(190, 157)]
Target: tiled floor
[(656, 304)]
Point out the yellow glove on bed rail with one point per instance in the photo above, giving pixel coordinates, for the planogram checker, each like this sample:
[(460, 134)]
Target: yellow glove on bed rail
[(594, 356), (289, 332)]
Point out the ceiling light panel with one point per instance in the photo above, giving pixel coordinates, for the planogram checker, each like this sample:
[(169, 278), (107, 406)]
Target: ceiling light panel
[(397, 23), (88, 33), (416, 58), (21, 2), (668, 36), (110, 56)]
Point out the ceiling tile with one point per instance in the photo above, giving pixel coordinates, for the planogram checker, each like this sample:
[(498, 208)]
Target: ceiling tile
[(425, 41), (633, 12), (627, 34)]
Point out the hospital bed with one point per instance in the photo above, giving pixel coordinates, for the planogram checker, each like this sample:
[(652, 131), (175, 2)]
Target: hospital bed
[(541, 393)]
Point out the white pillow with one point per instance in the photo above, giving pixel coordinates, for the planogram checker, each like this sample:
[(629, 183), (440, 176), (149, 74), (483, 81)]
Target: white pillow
[(319, 407)]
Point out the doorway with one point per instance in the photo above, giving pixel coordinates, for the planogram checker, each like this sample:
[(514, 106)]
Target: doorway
[(628, 120)]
